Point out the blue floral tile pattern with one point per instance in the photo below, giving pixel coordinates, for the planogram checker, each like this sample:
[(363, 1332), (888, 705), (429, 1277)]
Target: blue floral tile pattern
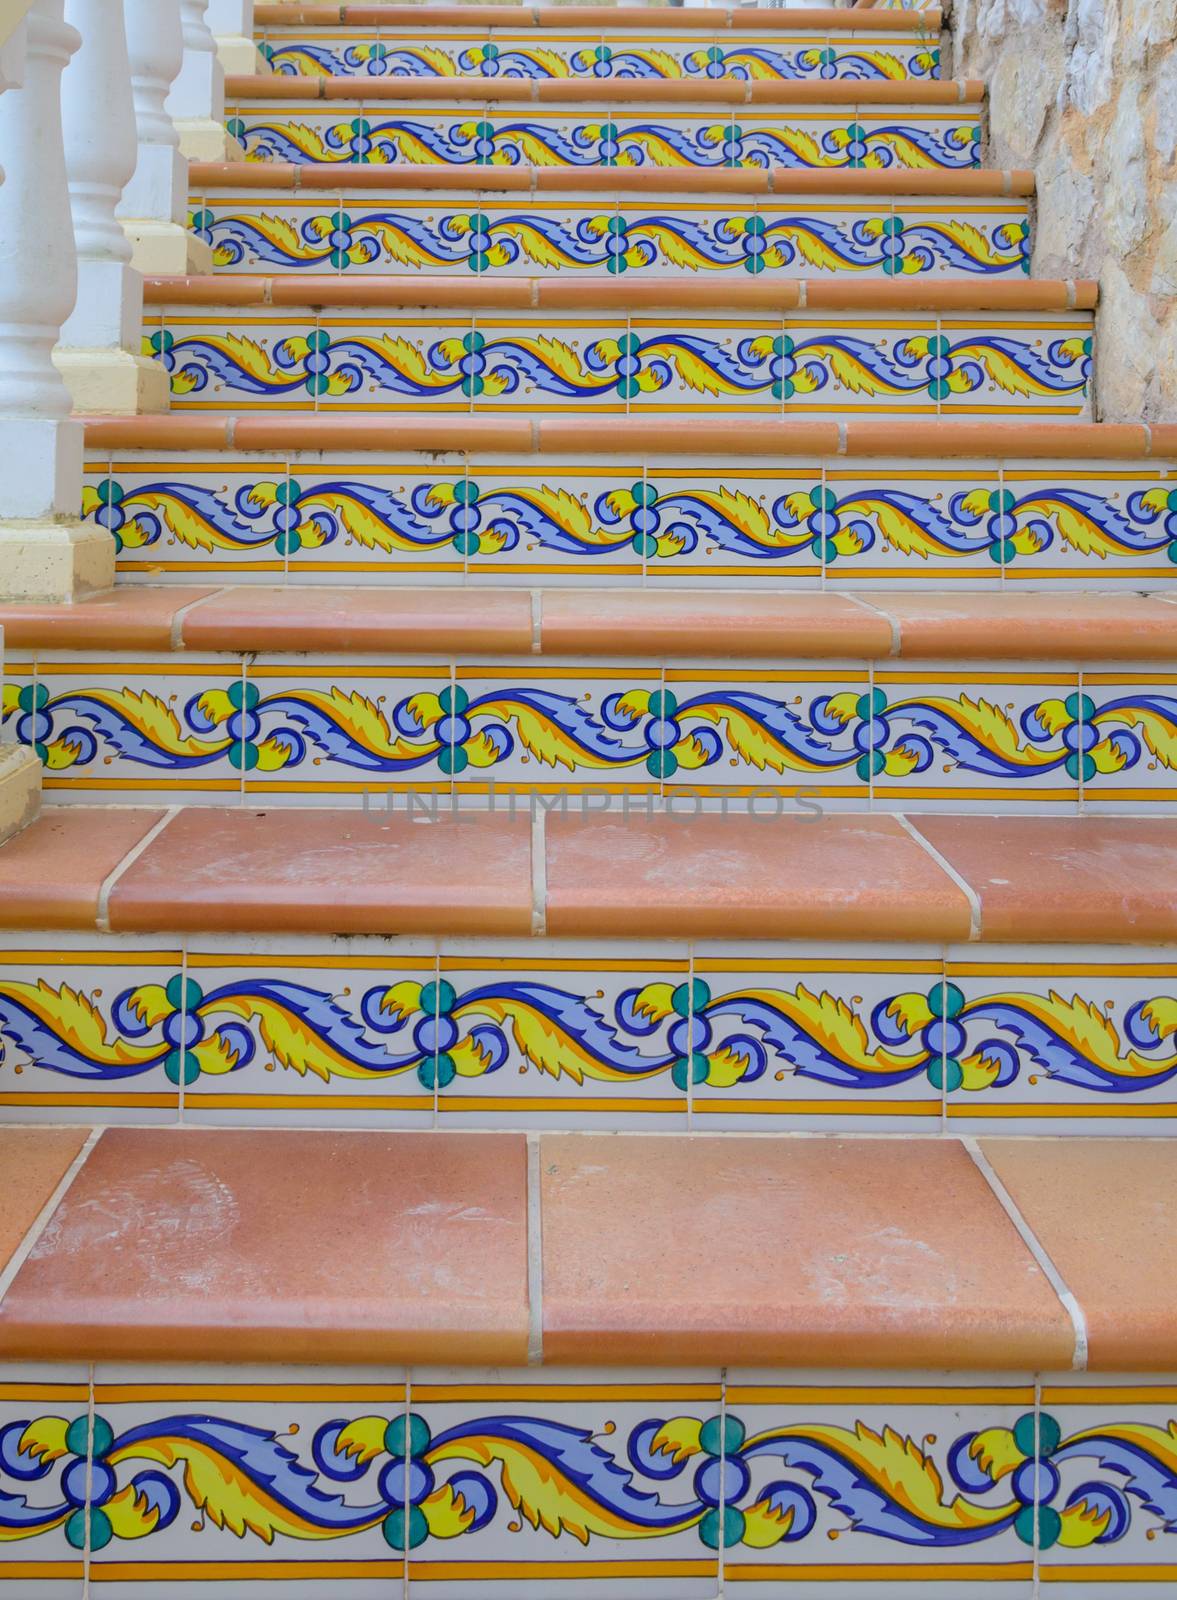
[(482, 237), (663, 518), (307, 52), (984, 366), (382, 1035), (528, 1476), (886, 139)]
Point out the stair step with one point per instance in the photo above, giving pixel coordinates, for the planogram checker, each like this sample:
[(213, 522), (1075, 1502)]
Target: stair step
[(594, 499), (910, 703), (371, 43), (318, 343), (799, 54), (625, 971), (497, 237), (660, 1294), (416, 122)]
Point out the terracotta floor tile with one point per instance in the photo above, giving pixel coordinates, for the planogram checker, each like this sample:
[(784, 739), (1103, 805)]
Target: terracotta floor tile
[(1072, 879), (240, 870), (786, 1252), (1014, 627), (1105, 1211), (33, 1162), (840, 876), (697, 623), (333, 620), (132, 618), (237, 1245), (51, 872)]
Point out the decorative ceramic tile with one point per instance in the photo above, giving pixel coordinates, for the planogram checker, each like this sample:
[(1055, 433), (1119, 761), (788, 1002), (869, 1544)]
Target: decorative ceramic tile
[(44, 1430), (1107, 1475), (1126, 744), (797, 1040), (780, 1481), (185, 518), (591, 1040), (1059, 1040), (890, 1485), (977, 524), (972, 736), (171, 724), (484, 136), (919, 364), (502, 53), (90, 1034), (599, 1502), (494, 237), (216, 1482)]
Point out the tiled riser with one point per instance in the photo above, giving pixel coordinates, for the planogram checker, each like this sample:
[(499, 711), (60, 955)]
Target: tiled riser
[(688, 237), (402, 1033), (856, 735), (387, 53), (464, 1484), (481, 135), (916, 365), (798, 524)]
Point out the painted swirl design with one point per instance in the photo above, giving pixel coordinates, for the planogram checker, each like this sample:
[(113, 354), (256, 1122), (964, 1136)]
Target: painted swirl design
[(385, 59), (416, 142), (731, 1038), (654, 520), (484, 243), (729, 1484), (631, 366)]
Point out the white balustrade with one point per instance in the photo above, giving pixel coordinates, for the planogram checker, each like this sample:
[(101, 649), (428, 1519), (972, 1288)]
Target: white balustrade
[(98, 351), (45, 552), (154, 207), (196, 103)]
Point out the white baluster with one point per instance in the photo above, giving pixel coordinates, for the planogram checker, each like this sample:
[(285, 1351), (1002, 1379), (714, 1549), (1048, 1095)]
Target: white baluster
[(98, 351), (154, 207), (20, 770), (197, 100), (45, 552), (231, 25)]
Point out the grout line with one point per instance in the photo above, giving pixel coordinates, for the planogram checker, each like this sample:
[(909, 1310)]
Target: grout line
[(869, 605), (183, 1046), (1037, 1250), (943, 1044), (539, 870), (407, 1414), (537, 622), (180, 617), (102, 916), (88, 1509), (535, 1256), (41, 1221), (721, 1553), (1036, 1588), (945, 865)]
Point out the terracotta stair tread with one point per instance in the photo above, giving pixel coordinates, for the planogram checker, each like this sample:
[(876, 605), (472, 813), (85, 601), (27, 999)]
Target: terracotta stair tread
[(844, 875), (627, 437), (603, 92), (167, 1243), (518, 18), (690, 623), (948, 182), (403, 290)]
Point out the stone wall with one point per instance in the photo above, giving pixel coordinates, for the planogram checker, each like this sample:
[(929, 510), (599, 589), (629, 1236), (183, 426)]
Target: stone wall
[(1085, 93)]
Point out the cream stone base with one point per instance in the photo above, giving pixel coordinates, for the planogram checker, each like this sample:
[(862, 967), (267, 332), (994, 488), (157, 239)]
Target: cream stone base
[(205, 140), (113, 381), (20, 788), (54, 561), (166, 250), (240, 57)]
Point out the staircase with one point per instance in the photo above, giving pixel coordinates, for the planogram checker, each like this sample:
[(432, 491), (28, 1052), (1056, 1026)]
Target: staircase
[(589, 1010)]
